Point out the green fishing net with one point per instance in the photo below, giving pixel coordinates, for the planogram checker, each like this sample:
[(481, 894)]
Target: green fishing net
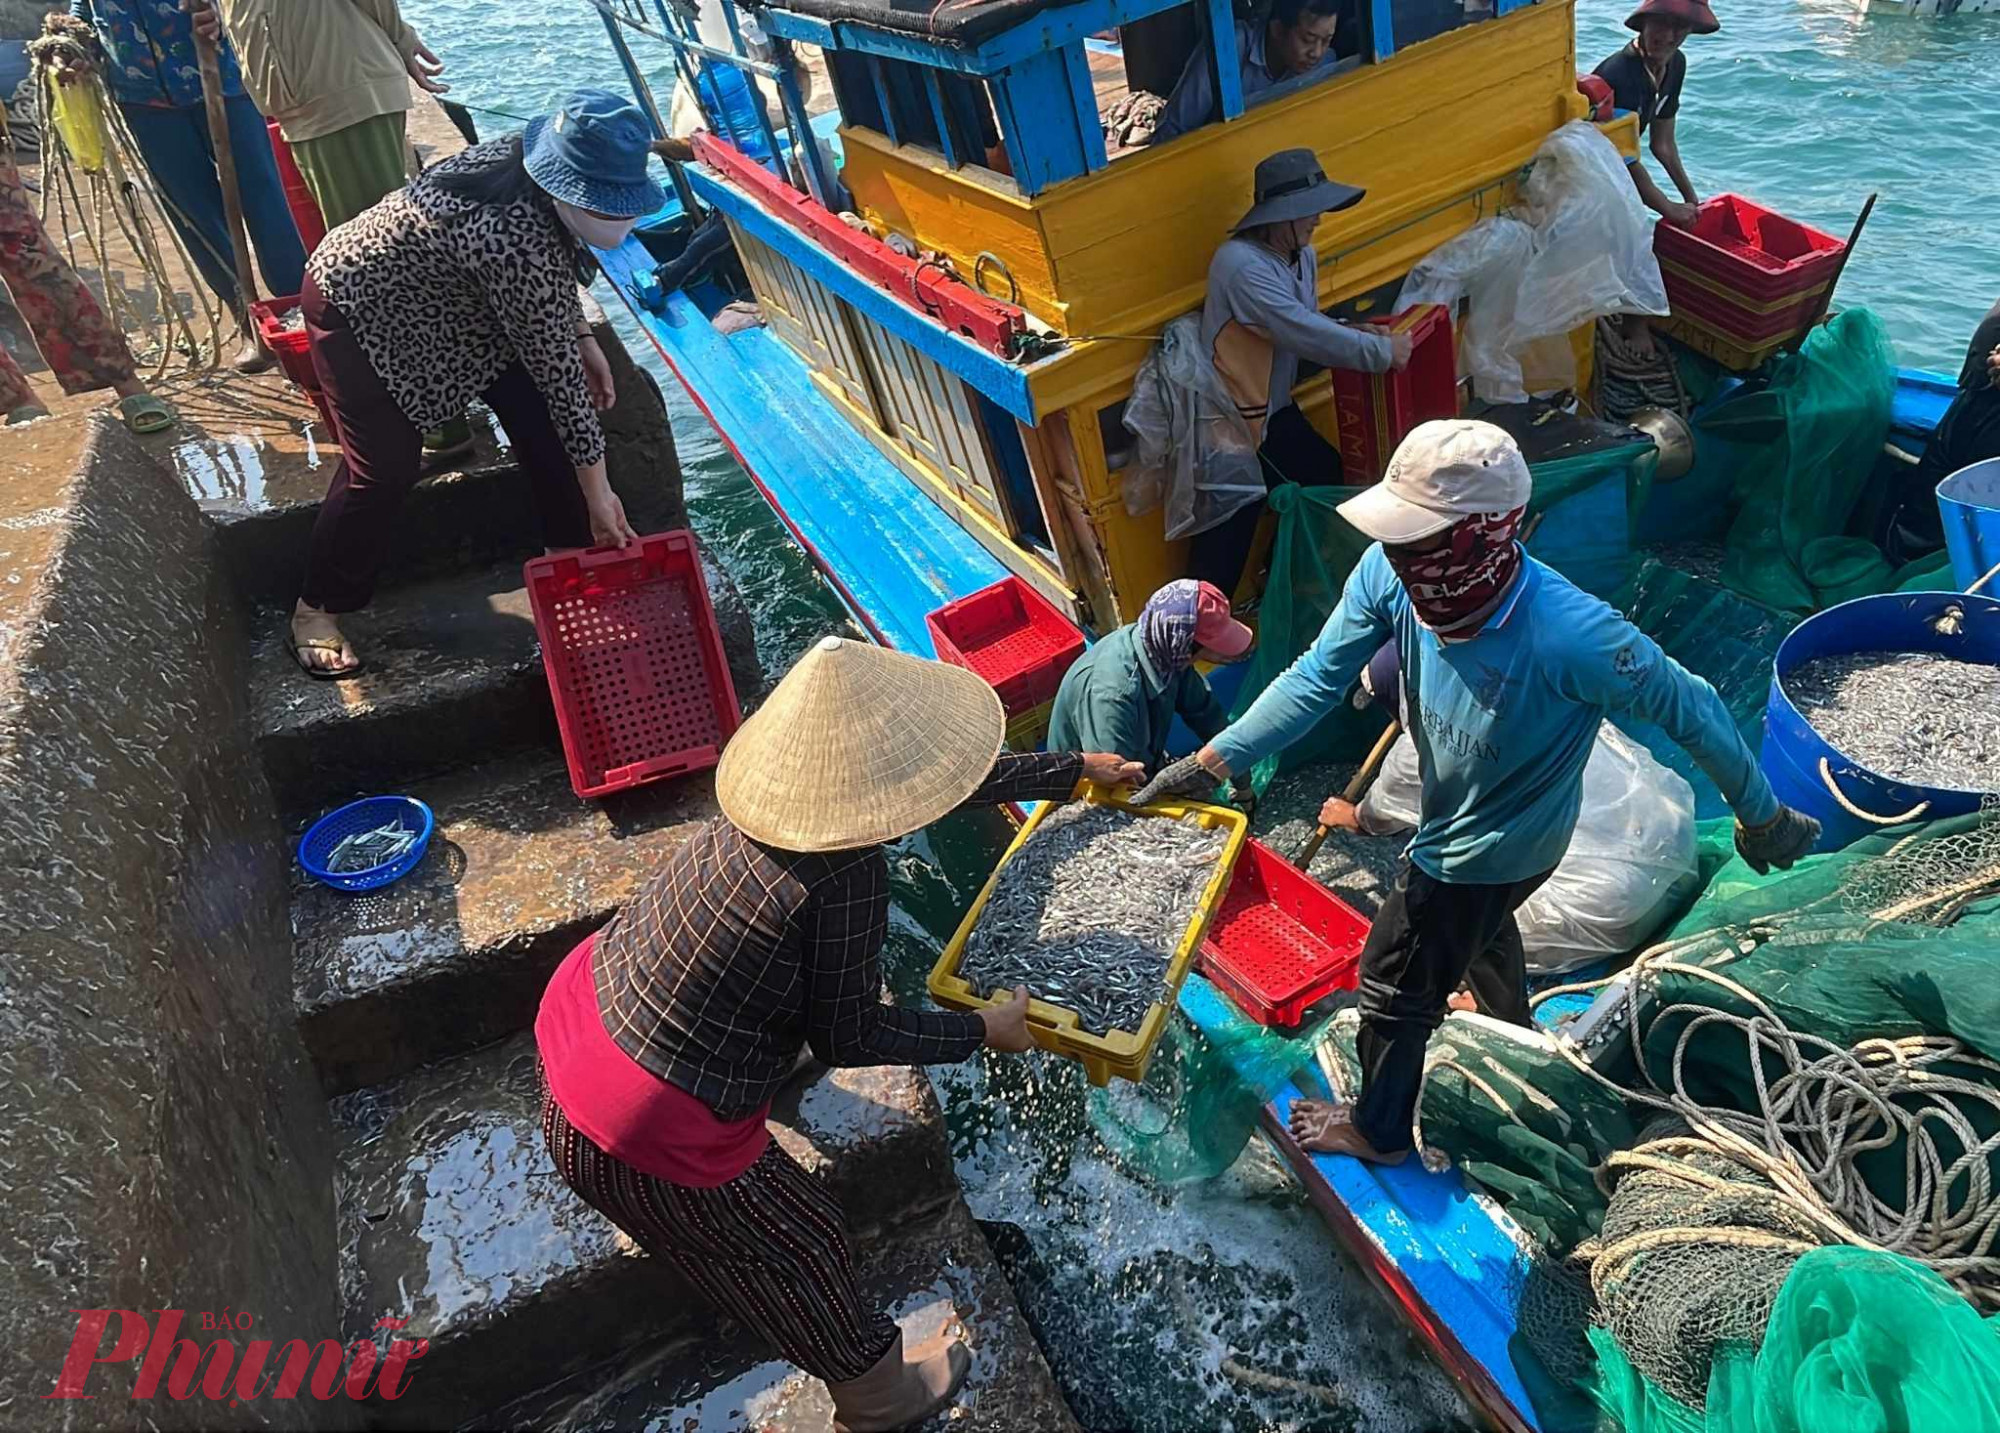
[(1796, 455)]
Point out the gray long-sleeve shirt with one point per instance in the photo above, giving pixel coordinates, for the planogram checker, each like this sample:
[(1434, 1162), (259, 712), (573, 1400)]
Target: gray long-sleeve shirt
[(1251, 283), (1193, 102)]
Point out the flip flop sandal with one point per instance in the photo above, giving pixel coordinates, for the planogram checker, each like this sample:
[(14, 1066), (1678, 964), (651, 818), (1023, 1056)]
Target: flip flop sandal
[(26, 413), (145, 413), (324, 644)]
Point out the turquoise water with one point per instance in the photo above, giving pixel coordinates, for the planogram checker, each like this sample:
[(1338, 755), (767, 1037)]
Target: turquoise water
[(1223, 1305)]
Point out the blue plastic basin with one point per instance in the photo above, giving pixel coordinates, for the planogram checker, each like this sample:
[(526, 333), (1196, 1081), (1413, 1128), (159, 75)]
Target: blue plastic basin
[(1891, 622), (1969, 503)]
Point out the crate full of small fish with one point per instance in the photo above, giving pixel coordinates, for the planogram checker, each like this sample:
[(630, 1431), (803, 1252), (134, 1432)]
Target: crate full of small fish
[(1098, 908)]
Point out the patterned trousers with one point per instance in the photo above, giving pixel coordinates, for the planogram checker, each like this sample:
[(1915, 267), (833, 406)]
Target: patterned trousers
[(768, 1247), (81, 347)]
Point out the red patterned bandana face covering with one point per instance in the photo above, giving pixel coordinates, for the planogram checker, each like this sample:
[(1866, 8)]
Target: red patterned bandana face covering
[(1455, 588)]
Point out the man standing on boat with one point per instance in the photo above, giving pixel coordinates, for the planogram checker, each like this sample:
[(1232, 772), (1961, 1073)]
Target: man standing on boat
[(1647, 77), (1260, 318), (1294, 39), (1507, 671)]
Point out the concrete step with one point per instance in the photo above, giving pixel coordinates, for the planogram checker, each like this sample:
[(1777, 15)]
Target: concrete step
[(929, 1275), (454, 676), (451, 1217), (455, 954)]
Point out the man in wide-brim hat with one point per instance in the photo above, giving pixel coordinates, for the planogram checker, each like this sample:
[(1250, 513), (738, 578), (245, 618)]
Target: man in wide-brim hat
[(1647, 77), (1260, 318), (664, 1036)]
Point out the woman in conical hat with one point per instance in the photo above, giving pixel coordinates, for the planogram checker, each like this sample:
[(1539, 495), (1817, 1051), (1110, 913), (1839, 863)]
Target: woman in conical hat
[(664, 1037)]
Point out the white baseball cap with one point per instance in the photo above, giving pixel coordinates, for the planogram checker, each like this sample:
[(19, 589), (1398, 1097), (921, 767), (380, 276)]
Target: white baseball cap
[(1444, 470)]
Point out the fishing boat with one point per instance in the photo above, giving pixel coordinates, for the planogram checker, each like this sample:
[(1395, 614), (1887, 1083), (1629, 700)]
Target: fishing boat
[(955, 310), (1930, 8)]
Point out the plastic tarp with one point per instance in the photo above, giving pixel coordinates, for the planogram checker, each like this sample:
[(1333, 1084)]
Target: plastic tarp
[(1630, 864), (1194, 451), (1577, 247)]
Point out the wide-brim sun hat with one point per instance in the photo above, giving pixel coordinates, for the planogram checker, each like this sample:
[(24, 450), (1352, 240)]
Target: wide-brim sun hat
[(1695, 14), (1291, 185), (856, 746), (1443, 471), (592, 153)]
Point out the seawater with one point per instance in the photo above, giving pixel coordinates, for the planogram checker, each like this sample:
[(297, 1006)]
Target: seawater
[(1224, 1304)]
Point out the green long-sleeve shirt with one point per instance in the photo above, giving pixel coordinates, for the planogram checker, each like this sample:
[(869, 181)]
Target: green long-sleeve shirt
[(1113, 700)]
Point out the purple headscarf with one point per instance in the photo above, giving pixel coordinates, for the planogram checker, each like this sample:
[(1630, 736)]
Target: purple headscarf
[(1166, 627)]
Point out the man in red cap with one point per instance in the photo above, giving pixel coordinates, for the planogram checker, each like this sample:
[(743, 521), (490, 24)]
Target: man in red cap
[(1646, 77), (1125, 692)]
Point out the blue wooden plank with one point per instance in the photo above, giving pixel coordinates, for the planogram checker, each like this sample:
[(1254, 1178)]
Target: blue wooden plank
[(1083, 100), (794, 26), (1039, 122), (940, 119), (1507, 7), (1224, 71), (878, 76), (1921, 398), (1054, 29), (892, 553), (1463, 1260), (1382, 14), (1005, 383)]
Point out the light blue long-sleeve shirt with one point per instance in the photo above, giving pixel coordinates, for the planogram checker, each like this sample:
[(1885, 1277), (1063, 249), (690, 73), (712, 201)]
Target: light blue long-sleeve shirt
[(1504, 720), (1252, 284)]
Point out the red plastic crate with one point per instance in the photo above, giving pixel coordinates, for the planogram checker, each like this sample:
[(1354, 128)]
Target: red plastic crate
[(635, 661), (1752, 278), (1376, 410), (290, 347), (1755, 252), (1281, 941), (1013, 637)]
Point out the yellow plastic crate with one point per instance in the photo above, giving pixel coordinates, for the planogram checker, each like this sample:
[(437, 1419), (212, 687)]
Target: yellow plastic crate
[(1703, 339), (1026, 729), (1124, 1053)]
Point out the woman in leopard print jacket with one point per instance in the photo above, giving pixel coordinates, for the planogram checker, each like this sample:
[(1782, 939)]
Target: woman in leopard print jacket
[(463, 286)]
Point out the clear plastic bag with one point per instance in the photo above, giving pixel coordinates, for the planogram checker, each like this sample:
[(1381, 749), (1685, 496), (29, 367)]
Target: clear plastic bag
[(1630, 862), (1193, 449), (1577, 247)]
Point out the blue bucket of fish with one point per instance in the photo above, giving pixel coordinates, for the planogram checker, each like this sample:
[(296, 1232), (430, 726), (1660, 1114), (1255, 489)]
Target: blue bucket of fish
[(367, 844), (1969, 504), (1812, 775)]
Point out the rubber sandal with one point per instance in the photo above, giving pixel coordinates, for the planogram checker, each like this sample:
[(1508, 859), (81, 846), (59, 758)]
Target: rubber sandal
[(26, 413), (146, 413), (323, 644)]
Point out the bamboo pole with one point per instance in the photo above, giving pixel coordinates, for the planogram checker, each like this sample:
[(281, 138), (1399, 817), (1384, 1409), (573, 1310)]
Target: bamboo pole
[(225, 168)]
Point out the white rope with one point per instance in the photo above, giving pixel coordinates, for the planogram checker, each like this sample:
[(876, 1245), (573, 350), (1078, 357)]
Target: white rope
[(1821, 1110)]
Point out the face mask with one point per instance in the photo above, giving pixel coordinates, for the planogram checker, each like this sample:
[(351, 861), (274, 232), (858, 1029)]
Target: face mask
[(597, 232), (1457, 586)]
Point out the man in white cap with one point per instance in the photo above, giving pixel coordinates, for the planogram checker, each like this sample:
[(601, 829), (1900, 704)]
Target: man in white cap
[(1507, 670)]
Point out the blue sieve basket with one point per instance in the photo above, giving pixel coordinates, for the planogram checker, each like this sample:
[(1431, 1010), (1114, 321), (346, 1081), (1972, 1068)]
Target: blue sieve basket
[(317, 845)]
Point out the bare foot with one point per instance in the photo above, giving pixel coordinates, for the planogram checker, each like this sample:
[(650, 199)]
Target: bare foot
[(1462, 1001), (319, 647), (252, 357), (1326, 1128)]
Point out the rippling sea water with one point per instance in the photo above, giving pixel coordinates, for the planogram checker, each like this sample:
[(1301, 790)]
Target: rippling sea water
[(1152, 1302)]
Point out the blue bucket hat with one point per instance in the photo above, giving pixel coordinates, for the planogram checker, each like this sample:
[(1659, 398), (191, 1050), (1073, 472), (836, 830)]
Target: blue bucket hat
[(592, 153)]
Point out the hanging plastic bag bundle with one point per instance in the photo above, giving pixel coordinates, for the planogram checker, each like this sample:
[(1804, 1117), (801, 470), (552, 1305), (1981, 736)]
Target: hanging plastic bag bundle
[(1579, 246), (1195, 453)]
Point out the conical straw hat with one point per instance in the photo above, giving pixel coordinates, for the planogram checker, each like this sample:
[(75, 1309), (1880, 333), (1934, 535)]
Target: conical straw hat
[(856, 746)]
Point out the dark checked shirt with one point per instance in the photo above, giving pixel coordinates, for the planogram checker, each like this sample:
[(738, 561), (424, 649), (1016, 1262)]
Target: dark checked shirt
[(734, 954)]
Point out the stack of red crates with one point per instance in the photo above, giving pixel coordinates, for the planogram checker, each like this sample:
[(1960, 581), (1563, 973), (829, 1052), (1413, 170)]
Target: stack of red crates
[(1376, 410), (1019, 642), (1745, 281)]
